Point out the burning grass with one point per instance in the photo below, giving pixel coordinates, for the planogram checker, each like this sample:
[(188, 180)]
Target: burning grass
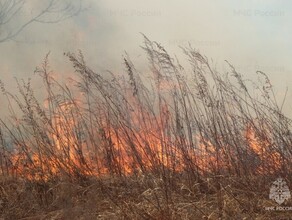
[(186, 144)]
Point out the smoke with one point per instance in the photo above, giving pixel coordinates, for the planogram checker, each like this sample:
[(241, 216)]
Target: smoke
[(252, 35)]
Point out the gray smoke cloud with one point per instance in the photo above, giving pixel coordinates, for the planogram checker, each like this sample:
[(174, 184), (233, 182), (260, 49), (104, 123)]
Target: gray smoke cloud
[(252, 35)]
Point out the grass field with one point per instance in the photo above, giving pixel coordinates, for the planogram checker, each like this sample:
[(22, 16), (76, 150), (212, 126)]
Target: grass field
[(173, 142)]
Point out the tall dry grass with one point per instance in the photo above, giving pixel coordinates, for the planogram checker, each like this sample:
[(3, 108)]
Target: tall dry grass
[(176, 133)]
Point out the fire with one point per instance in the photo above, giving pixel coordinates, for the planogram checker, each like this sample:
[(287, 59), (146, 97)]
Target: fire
[(269, 159), (140, 141), (122, 125)]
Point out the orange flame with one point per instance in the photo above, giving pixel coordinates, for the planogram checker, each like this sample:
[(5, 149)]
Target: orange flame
[(269, 159), (128, 149)]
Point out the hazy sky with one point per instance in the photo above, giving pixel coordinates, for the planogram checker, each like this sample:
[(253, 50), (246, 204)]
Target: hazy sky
[(251, 34)]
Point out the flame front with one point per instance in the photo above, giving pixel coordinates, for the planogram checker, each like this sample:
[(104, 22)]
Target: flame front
[(112, 134)]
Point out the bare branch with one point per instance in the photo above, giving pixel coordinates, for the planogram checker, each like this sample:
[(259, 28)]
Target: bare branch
[(51, 11)]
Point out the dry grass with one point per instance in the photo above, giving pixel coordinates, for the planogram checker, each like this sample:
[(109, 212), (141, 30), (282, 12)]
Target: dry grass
[(187, 143), (138, 198)]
